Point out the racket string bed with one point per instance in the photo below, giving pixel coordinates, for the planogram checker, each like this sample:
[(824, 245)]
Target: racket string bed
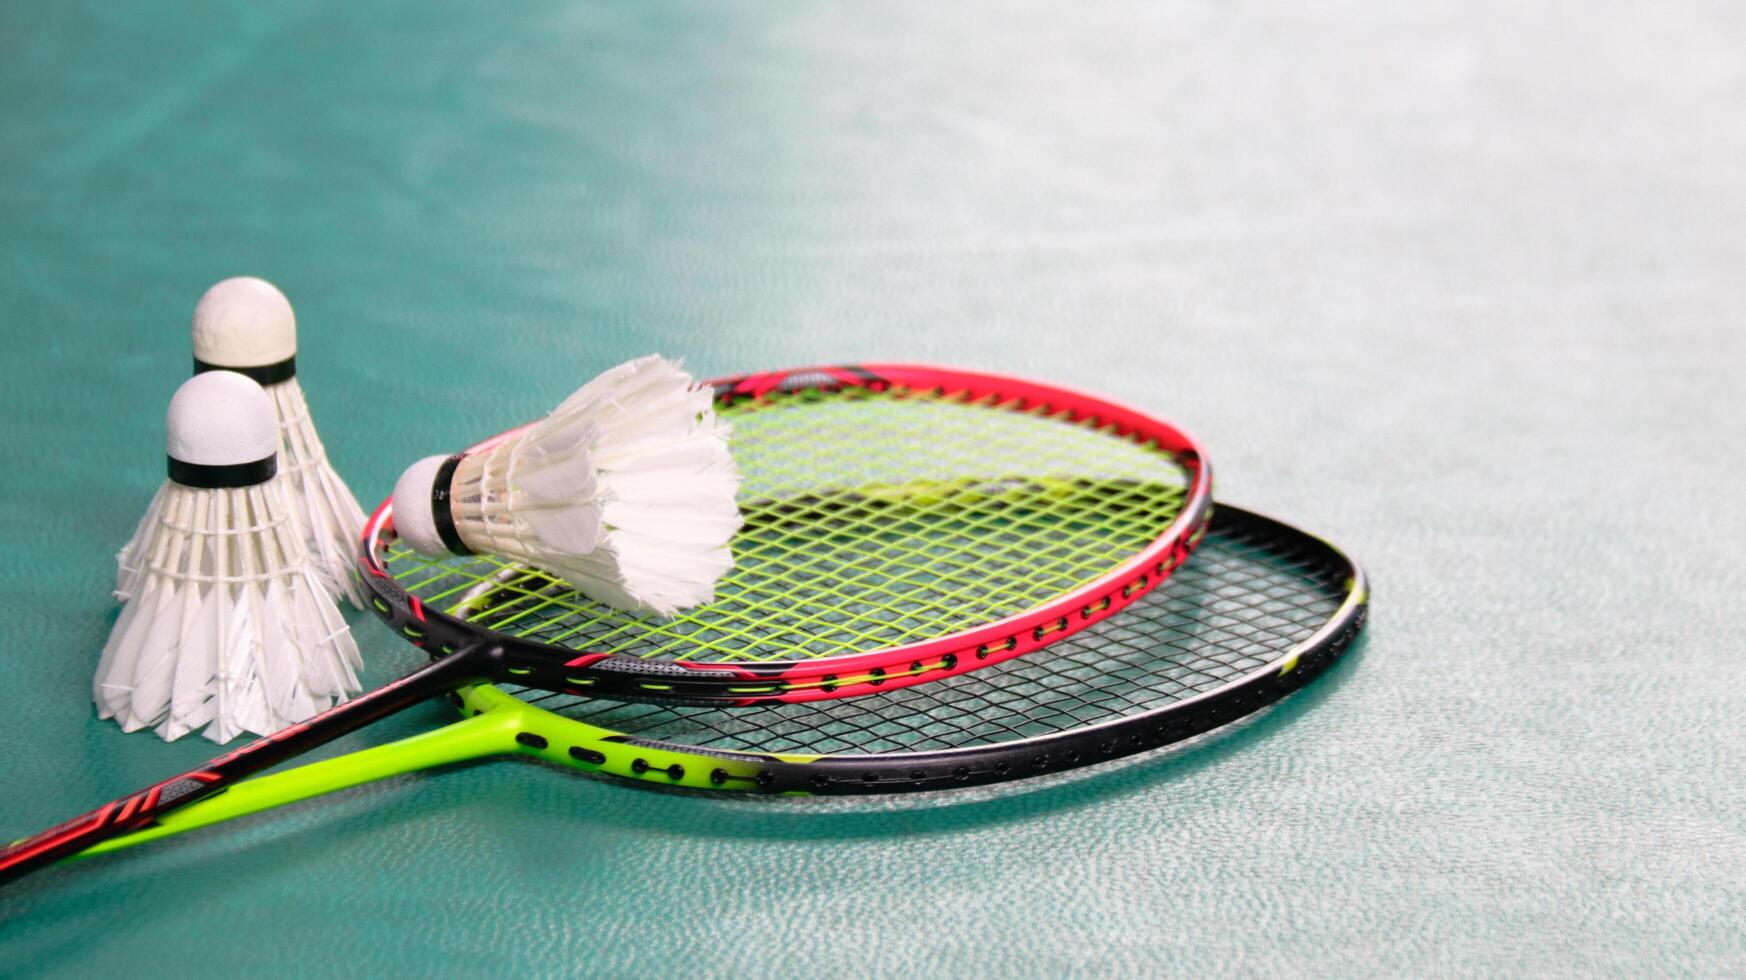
[(1227, 613)]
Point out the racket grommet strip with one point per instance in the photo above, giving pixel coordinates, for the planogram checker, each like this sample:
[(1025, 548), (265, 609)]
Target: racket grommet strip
[(1041, 632)]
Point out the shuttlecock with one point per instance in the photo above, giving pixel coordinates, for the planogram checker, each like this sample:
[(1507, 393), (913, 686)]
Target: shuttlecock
[(626, 491), (227, 625), (246, 325)]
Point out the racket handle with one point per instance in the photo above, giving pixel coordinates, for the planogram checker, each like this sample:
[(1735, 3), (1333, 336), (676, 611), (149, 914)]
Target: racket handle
[(142, 809)]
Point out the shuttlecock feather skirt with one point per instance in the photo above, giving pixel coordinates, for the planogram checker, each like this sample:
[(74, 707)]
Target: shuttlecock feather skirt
[(227, 626), (626, 490)]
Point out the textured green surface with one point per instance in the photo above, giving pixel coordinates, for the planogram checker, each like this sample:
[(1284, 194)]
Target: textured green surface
[(1460, 287)]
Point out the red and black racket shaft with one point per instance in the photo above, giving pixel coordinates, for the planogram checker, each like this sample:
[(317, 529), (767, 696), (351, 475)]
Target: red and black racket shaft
[(141, 809)]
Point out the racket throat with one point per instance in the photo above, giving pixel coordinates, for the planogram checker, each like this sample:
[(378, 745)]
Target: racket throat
[(143, 809), (470, 664)]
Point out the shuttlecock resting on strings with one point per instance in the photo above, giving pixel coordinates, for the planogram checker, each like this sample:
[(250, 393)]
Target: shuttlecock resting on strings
[(246, 325), (227, 626), (626, 491)]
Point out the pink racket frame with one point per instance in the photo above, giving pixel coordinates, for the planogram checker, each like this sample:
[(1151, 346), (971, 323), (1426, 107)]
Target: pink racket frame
[(618, 676)]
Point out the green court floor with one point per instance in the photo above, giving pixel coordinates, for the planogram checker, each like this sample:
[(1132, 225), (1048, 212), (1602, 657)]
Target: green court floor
[(1459, 286)]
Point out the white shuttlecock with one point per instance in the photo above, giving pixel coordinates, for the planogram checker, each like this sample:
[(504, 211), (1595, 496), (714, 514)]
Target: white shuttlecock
[(246, 325), (228, 625), (626, 491)]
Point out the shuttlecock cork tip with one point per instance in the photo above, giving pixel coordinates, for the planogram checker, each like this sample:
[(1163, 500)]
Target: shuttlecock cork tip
[(414, 513), (220, 419), (244, 323)]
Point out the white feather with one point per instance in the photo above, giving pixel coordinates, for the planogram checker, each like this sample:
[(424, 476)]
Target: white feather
[(238, 711), (130, 562), (113, 684), (281, 660), (321, 503), (332, 669), (192, 698)]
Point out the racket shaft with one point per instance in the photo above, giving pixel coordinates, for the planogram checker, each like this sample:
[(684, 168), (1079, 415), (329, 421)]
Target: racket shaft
[(141, 809), (489, 734)]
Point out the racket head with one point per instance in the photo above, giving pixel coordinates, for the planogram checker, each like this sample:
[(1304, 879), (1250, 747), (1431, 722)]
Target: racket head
[(1262, 610), (903, 524)]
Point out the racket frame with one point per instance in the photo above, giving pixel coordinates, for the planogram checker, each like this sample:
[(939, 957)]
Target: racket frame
[(629, 678)]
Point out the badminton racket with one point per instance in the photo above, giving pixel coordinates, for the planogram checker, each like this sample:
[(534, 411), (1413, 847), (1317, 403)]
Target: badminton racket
[(1260, 612), (902, 524)]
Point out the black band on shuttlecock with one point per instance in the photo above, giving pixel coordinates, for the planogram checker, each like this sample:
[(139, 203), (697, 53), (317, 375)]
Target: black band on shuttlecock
[(205, 476), (440, 514), (266, 374)]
